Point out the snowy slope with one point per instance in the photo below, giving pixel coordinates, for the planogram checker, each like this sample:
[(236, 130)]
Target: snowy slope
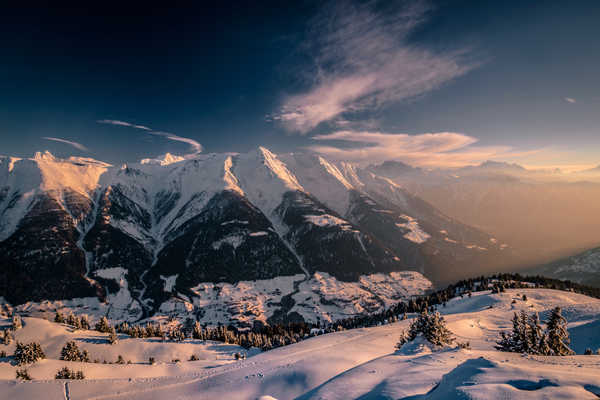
[(360, 363)]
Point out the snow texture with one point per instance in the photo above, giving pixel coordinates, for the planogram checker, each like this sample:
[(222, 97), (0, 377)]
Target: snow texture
[(415, 234)]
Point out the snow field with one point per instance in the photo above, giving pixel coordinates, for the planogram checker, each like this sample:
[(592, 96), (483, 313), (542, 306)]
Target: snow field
[(358, 363)]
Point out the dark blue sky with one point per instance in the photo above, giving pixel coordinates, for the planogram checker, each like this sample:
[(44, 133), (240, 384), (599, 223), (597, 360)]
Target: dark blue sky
[(509, 80)]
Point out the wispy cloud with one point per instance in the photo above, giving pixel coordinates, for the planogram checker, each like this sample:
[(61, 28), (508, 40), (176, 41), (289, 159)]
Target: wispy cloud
[(442, 149), (363, 61), (78, 146), (194, 145), (122, 123), (570, 100)]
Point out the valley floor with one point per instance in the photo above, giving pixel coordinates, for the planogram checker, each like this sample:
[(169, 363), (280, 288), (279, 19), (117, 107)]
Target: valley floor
[(353, 364)]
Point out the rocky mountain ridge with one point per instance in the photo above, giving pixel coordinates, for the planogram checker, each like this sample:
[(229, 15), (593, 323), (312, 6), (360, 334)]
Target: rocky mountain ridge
[(150, 232)]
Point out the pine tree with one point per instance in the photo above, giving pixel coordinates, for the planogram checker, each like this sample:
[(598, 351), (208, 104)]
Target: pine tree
[(543, 348), (28, 353), (112, 337), (23, 374), (73, 321), (433, 327), (516, 337), (517, 340), (71, 352), (103, 325), (6, 337), (404, 338), (66, 373), (177, 335), (84, 322), (197, 331), (17, 323), (59, 317), (558, 336), (535, 333), (505, 343), (524, 336)]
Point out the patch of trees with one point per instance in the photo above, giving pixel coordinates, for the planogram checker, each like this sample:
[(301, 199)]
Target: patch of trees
[(76, 322), (28, 353), (66, 373), (529, 337), (71, 352), (431, 326)]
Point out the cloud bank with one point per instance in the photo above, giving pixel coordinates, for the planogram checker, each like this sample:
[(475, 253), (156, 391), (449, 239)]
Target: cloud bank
[(442, 149), (195, 147), (77, 145), (363, 61)]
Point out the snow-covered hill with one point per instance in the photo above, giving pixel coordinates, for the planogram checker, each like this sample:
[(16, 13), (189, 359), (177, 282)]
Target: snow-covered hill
[(140, 240), (353, 364)]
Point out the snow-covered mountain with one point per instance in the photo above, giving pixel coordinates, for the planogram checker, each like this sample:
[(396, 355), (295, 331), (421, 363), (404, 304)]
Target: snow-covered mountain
[(156, 236), (583, 268)]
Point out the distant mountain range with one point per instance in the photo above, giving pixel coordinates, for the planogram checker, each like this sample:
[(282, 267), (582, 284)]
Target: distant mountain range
[(544, 215), (583, 268), (305, 236)]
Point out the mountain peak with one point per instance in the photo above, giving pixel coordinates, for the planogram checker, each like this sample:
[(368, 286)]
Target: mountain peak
[(279, 169), (165, 159), (44, 156)]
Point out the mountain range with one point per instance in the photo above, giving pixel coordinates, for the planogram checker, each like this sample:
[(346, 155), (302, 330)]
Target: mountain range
[(306, 236)]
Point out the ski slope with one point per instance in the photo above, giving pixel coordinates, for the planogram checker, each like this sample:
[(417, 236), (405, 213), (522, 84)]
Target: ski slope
[(353, 364)]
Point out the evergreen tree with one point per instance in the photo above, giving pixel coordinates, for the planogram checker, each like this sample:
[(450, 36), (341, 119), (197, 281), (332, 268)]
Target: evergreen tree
[(404, 338), (535, 333), (433, 327), (543, 348), (112, 336), (28, 353), (17, 323), (59, 317), (558, 336), (103, 325), (73, 321), (518, 340), (66, 373), (197, 332), (516, 337), (524, 335), (505, 343), (23, 374), (71, 352), (6, 337), (84, 322)]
